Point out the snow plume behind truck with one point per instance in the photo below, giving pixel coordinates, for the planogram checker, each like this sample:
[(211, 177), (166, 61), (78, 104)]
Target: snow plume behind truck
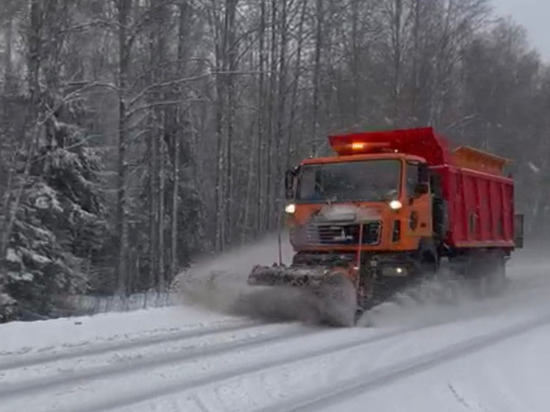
[(386, 212)]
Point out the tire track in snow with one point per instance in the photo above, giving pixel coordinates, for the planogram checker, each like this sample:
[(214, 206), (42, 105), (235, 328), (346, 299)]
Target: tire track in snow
[(46, 383), (344, 390), (92, 349), (183, 385), (189, 383), (361, 384)]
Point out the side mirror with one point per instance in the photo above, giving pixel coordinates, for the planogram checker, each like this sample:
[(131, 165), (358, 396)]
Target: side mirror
[(289, 184), (423, 185), (422, 189), (424, 174)]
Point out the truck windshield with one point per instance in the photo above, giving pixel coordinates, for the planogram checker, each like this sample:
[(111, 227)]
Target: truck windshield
[(366, 181)]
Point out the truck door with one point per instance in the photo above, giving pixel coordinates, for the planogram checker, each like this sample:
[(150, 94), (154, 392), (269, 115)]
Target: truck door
[(417, 186)]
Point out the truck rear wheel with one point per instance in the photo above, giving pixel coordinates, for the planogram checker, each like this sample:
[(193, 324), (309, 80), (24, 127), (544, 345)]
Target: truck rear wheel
[(486, 275), (495, 276)]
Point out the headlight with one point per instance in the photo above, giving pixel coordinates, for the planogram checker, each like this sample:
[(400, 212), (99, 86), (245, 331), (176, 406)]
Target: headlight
[(396, 205), (290, 209), (394, 271)]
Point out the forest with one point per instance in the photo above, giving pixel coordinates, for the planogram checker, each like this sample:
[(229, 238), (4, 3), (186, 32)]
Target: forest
[(137, 135)]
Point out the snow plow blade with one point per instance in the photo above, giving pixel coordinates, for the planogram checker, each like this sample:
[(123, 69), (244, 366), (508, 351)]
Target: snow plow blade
[(331, 296), (286, 276)]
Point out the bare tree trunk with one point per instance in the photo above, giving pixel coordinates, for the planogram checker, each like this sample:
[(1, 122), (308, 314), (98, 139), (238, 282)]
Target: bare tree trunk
[(153, 146), (161, 280), (182, 40), (317, 74), (355, 69), (262, 182), (175, 202), (6, 195), (220, 181), (281, 111), (415, 101), (8, 67), (219, 122), (230, 54), (153, 209), (272, 109), (396, 46), (249, 192), (297, 75), (35, 51), (122, 208), (161, 58), (225, 61)]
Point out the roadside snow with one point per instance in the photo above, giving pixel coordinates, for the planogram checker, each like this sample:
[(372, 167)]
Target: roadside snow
[(24, 337)]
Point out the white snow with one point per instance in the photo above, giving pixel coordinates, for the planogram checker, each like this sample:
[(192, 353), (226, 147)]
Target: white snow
[(511, 376), (474, 356), (534, 168), (40, 336), (12, 256)]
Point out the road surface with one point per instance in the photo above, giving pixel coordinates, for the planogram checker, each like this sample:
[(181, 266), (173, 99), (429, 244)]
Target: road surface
[(469, 356)]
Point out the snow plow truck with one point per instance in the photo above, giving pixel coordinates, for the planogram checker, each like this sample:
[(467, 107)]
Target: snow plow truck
[(386, 212)]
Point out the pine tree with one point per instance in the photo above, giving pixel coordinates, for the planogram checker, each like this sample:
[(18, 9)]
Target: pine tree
[(60, 222)]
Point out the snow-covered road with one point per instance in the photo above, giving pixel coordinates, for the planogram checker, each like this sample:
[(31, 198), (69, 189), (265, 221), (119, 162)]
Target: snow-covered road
[(473, 356)]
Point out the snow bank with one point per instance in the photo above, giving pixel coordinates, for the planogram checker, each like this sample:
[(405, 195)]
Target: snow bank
[(22, 337), (90, 305)]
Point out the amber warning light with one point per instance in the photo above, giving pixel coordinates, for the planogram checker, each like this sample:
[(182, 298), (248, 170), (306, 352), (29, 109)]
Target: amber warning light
[(354, 147)]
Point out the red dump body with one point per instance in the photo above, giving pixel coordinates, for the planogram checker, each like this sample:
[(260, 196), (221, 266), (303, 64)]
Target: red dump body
[(480, 208), (479, 197)]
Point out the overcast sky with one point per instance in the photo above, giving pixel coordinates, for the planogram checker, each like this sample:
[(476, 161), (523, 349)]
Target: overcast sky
[(533, 15)]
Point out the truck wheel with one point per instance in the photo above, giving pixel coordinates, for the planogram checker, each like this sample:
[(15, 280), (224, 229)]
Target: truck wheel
[(488, 276), (471, 274), (428, 267), (495, 275)]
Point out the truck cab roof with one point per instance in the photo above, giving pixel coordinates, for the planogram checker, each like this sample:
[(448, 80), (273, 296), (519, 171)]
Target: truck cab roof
[(363, 157)]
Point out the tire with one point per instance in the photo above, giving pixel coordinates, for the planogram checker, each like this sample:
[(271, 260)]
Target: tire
[(487, 276), (496, 280)]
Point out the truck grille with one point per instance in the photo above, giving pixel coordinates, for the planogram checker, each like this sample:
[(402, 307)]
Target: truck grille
[(335, 234)]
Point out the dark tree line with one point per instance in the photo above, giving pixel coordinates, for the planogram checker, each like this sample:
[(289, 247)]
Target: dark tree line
[(136, 134)]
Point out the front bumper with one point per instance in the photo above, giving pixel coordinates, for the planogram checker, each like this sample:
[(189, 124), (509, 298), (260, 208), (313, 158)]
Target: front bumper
[(389, 265)]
